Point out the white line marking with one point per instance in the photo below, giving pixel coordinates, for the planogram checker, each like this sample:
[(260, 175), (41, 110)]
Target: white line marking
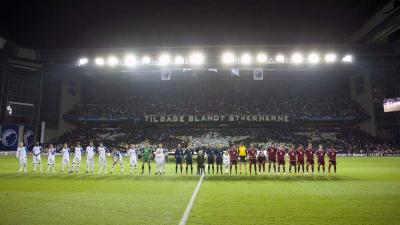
[(190, 205)]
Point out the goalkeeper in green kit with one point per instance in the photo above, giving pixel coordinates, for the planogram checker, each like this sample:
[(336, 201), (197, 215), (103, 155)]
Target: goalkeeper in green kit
[(147, 152)]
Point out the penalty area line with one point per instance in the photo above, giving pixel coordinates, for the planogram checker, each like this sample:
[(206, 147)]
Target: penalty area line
[(185, 215)]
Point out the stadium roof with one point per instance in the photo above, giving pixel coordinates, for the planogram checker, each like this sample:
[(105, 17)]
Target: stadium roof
[(99, 24)]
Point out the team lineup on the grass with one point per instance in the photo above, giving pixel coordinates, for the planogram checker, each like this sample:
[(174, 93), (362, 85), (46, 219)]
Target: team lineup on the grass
[(215, 156)]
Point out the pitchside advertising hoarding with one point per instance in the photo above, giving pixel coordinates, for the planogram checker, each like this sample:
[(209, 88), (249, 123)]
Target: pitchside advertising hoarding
[(11, 134), (391, 104)]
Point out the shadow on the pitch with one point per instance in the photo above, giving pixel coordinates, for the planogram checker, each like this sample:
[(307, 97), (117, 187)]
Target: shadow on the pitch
[(282, 177), (105, 177)]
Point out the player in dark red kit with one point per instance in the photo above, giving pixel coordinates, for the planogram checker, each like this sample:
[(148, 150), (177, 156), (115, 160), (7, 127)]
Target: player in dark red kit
[(321, 158), (280, 156), (233, 156), (252, 154), (332, 159), (261, 158), (310, 158), (271, 157), (300, 158), (292, 159)]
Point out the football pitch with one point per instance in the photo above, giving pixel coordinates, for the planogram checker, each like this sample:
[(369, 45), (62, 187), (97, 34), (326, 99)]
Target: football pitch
[(365, 191)]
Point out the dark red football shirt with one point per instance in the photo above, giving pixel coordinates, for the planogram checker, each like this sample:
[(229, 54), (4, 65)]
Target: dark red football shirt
[(251, 152), (281, 155), (292, 155), (271, 153), (321, 154), (300, 154), (233, 154), (310, 154), (332, 155)]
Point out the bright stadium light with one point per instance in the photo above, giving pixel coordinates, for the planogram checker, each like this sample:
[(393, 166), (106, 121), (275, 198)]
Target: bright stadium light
[(99, 61), (164, 59), (280, 58), (330, 58), (112, 61), (83, 61), (179, 60), (228, 58), (130, 61), (347, 59), (313, 58), (245, 59), (146, 60), (196, 58), (261, 58), (297, 58)]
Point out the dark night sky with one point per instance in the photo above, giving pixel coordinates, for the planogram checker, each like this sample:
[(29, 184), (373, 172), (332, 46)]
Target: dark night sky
[(95, 24)]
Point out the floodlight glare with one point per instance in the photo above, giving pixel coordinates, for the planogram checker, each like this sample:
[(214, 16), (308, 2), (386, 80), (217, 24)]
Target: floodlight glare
[(228, 58), (297, 58), (347, 59), (179, 60), (99, 61), (245, 59), (83, 61), (130, 60), (330, 58), (261, 58), (164, 59), (313, 58), (280, 58), (196, 58), (146, 60), (112, 61)]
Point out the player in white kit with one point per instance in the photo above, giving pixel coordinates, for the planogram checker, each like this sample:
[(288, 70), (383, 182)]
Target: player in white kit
[(102, 158), (76, 162), (65, 157), (90, 158), (132, 153), (37, 151), (159, 158), (51, 158), (21, 157), (226, 161)]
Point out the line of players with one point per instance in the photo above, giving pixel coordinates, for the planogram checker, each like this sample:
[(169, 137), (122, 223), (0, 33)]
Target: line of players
[(276, 158), (132, 152), (215, 156), (257, 159)]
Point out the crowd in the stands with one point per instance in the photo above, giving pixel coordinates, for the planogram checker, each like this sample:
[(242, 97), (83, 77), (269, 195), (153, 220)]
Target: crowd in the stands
[(343, 139), (296, 99)]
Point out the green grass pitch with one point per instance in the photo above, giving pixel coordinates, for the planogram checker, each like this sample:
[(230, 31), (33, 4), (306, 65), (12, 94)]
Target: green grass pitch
[(365, 191)]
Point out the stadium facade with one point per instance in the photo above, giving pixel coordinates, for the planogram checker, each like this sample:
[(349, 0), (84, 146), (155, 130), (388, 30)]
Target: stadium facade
[(50, 85)]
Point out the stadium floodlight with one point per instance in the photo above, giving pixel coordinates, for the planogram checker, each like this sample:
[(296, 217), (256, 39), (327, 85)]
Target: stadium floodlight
[(261, 58), (297, 58), (347, 59), (164, 59), (146, 60), (228, 58), (280, 58), (330, 58), (245, 59), (130, 60), (313, 58), (83, 61), (99, 61), (179, 60), (112, 61), (196, 58)]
